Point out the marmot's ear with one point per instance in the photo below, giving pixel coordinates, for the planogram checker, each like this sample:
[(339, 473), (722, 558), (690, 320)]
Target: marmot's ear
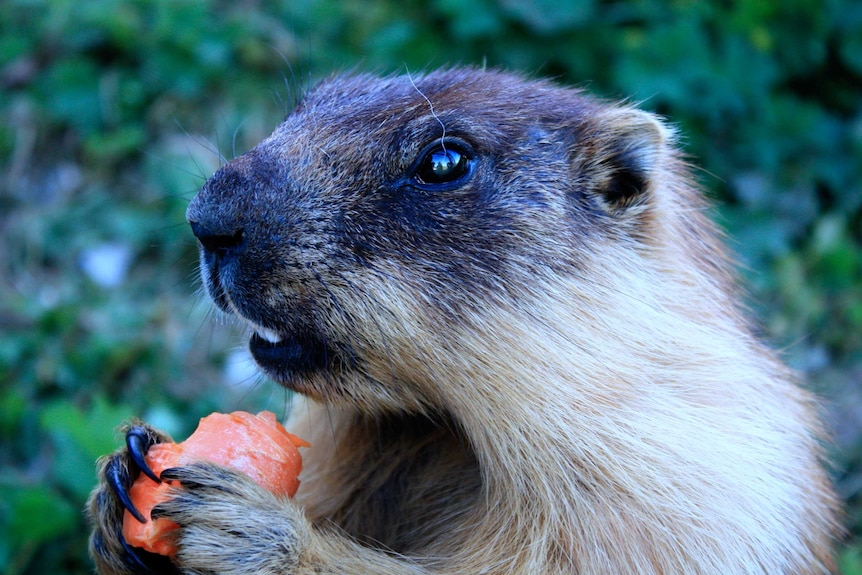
[(635, 143)]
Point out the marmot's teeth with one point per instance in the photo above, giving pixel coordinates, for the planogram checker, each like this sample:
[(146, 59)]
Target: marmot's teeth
[(268, 334)]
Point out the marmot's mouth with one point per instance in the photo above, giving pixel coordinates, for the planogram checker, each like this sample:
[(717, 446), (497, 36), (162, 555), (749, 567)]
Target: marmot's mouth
[(285, 357)]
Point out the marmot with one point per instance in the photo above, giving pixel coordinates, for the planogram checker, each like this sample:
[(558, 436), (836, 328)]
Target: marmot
[(517, 340)]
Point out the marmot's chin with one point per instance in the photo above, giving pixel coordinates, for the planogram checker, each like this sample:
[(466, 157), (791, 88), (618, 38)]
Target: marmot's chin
[(283, 357)]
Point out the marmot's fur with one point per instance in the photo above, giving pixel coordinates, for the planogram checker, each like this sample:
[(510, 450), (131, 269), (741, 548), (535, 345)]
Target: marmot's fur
[(519, 343)]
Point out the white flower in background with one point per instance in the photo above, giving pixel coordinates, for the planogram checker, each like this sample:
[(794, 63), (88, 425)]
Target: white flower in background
[(106, 264)]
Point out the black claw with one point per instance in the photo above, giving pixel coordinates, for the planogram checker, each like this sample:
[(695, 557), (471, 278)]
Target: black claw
[(138, 441), (145, 563), (118, 479), (133, 560)]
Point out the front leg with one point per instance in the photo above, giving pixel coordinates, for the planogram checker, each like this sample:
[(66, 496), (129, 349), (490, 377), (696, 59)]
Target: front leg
[(230, 525)]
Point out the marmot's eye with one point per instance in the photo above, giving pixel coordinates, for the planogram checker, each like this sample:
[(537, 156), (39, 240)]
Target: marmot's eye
[(442, 163)]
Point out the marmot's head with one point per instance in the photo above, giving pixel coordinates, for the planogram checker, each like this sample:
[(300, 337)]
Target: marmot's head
[(382, 212)]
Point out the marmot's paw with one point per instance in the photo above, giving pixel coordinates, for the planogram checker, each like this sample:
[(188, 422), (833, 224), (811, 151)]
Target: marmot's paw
[(229, 524), (110, 500)]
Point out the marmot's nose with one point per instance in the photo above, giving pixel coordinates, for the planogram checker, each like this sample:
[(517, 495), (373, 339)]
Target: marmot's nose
[(219, 241), (216, 212)]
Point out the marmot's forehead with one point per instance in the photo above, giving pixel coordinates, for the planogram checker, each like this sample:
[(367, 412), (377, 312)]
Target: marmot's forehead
[(348, 117), (496, 98)]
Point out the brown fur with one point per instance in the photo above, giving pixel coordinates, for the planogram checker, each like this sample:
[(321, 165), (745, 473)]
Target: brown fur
[(541, 368)]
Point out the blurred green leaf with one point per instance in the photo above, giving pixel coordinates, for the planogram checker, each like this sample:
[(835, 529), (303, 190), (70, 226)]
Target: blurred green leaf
[(481, 19), (12, 407), (32, 515), (850, 561), (79, 438), (93, 430), (115, 145), (548, 16), (70, 93)]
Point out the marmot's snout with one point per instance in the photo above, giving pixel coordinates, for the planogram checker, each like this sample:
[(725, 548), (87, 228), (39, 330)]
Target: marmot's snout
[(240, 239)]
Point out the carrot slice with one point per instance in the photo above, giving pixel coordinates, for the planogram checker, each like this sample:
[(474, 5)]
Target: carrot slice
[(256, 445)]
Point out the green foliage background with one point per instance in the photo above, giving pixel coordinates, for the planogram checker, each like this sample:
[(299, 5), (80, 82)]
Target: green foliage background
[(113, 112)]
